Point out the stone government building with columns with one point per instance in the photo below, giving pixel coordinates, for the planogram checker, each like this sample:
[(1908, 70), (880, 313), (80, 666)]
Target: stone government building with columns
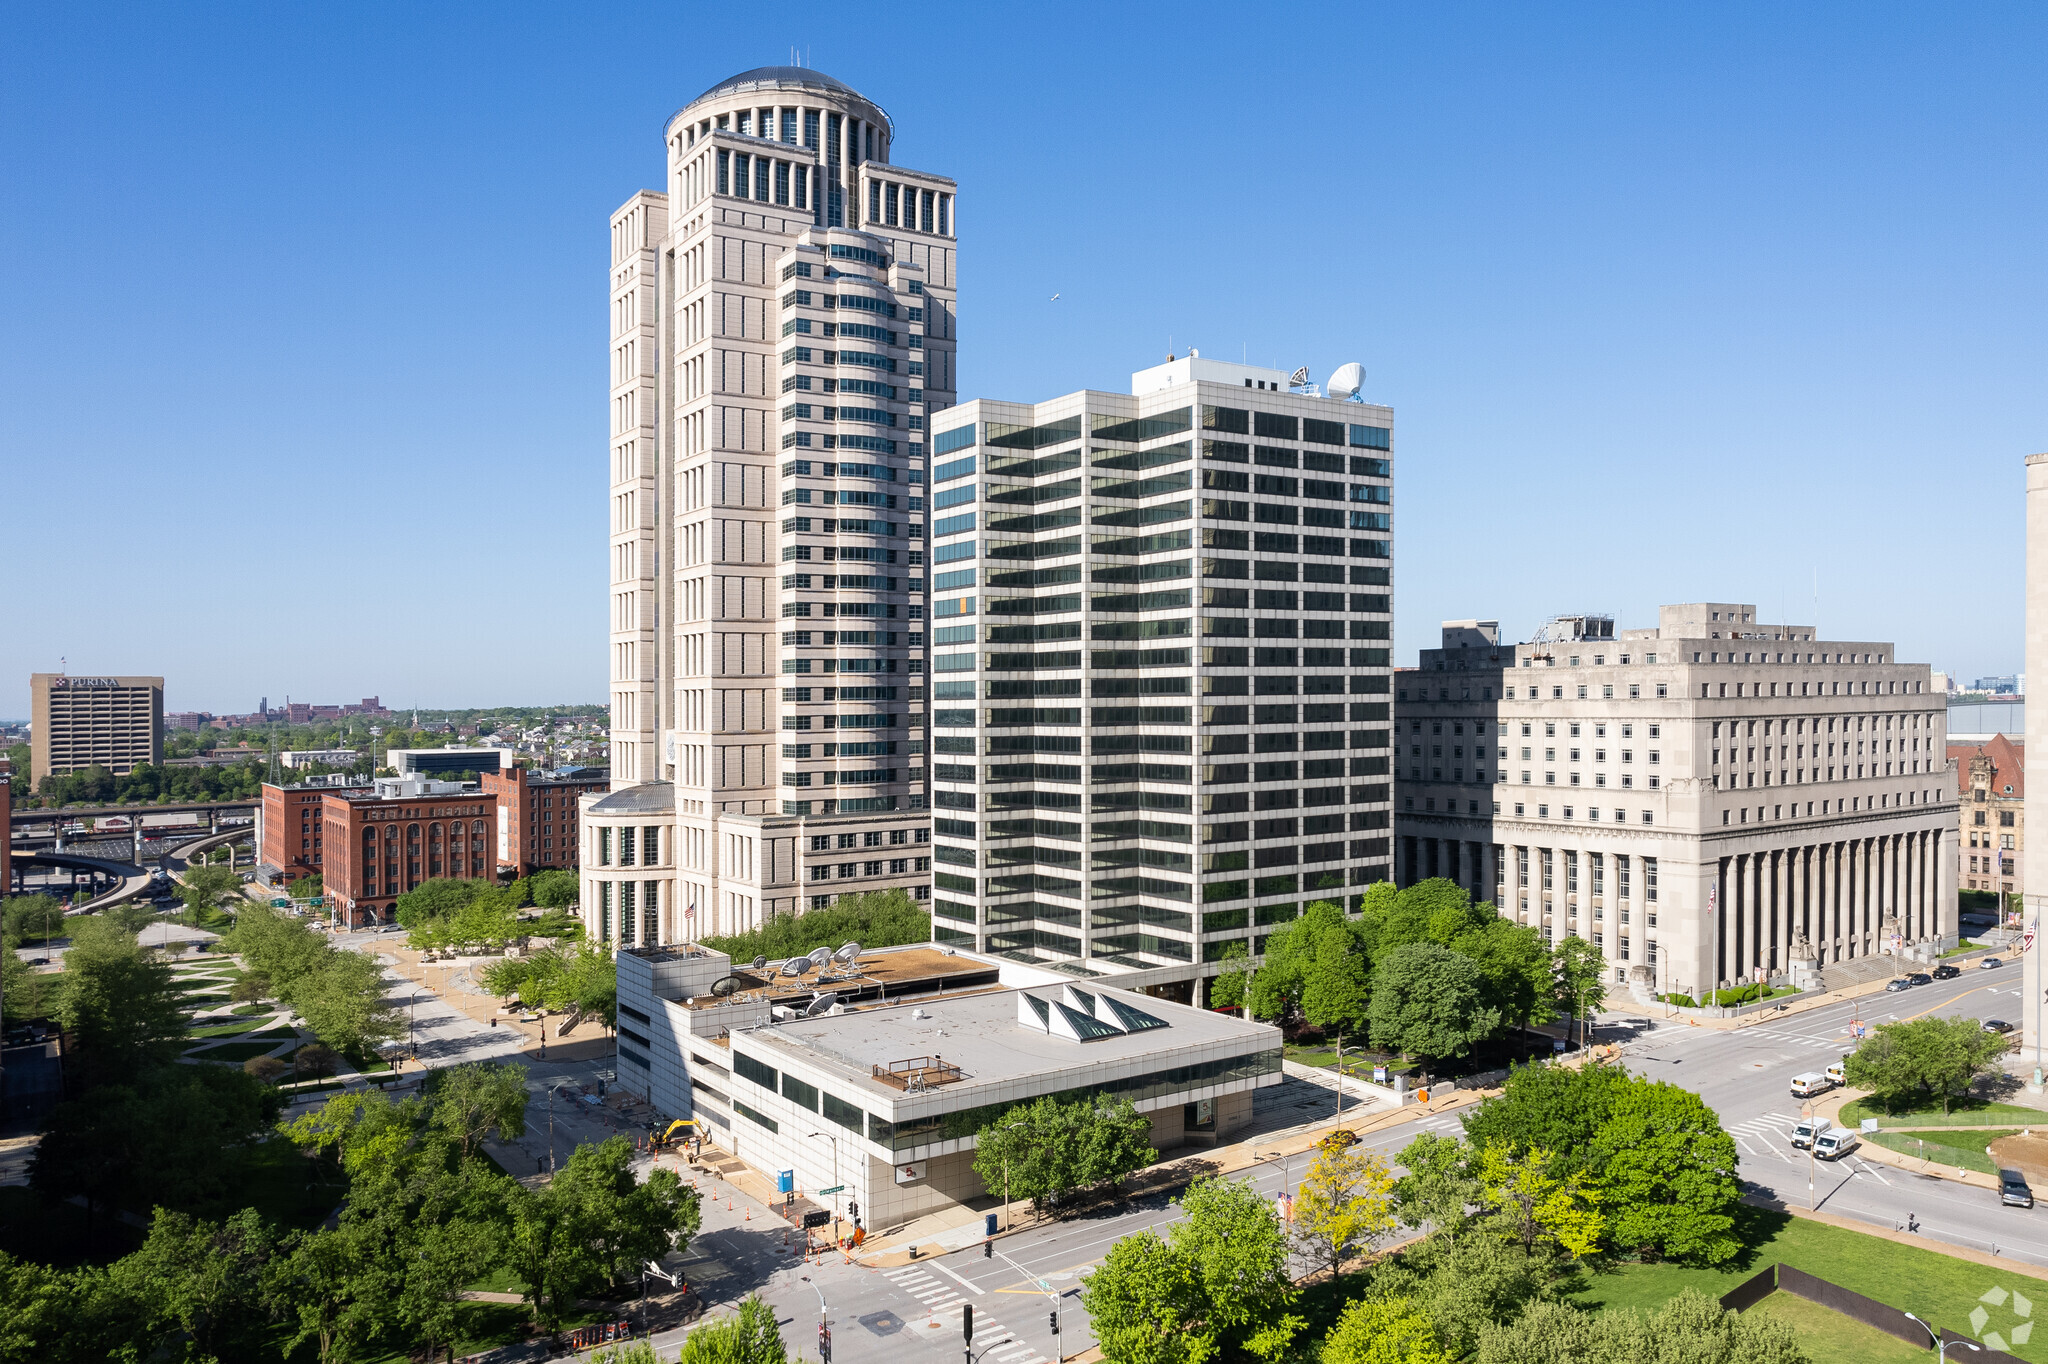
[(1710, 800)]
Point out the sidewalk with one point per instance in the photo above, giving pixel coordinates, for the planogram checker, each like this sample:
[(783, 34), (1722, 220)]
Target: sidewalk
[(957, 1228)]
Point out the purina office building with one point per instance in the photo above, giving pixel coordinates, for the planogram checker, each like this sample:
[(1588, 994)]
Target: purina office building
[(1160, 667)]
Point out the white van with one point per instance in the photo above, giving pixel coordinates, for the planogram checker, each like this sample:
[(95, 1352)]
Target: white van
[(1834, 1143), (1808, 1129), (1811, 1083), (1838, 1071)]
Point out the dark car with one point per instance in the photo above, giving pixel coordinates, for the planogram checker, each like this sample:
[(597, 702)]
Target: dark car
[(1892, 987), (2013, 1190), (1920, 978), (1988, 963), (1946, 972), (1997, 1025)]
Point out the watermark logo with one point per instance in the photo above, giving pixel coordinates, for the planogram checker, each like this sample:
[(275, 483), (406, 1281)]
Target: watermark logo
[(2019, 1305)]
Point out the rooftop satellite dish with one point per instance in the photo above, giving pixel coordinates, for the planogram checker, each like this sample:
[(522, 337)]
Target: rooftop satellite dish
[(848, 954), (822, 1004), (1299, 377), (724, 986), (795, 966), (1347, 382), (760, 962), (818, 957)]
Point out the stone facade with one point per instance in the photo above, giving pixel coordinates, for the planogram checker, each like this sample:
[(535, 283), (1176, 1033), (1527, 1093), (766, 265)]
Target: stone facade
[(1710, 800), (783, 323), (1993, 793)]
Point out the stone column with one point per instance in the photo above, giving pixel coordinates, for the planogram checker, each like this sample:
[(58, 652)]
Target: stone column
[(1781, 931)]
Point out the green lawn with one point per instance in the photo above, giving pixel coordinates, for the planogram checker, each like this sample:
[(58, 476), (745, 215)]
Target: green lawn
[(484, 1326), (1946, 1146), (1931, 1285), (1828, 1337), (235, 1052), (1963, 1115), (234, 1029)]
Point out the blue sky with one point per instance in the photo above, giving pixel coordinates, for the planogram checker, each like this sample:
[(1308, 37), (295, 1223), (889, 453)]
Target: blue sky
[(302, 382)]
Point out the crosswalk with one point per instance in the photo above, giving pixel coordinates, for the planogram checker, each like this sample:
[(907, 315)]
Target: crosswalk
[(1772, 1130), (992, 1339), (1836, 1042)]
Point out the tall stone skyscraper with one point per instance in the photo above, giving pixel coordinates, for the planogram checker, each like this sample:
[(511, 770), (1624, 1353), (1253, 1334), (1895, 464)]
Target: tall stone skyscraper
[(782, 326)]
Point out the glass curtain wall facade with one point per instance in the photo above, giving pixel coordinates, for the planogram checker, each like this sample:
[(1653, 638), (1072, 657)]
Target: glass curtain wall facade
[(1160, 667)]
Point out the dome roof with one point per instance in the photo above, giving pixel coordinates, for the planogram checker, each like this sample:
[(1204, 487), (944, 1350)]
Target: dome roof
[(778, 78), (767, 78)]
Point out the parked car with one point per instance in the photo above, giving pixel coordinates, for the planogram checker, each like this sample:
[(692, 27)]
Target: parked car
[(1809, 1128), (1997, 1025), (1809, 1084), (1946, 972), (1920, 978), (1839, 1072), (1892, 987), (1835, 1143), (1989, 963), (2013, 1191)]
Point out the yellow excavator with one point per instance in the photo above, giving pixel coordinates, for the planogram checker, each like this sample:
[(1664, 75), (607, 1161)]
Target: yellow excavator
[(663, 1140)]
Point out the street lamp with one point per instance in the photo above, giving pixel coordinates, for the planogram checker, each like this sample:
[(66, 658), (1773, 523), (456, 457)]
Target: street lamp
[(833, 1138), (551, 1123), (1940, 1345), (824, 1321), (1008, 1126)]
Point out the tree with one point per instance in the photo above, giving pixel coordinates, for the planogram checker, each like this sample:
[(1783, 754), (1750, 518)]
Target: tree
[(25, 993), (1581, 977), (1440, 1184), (1690, 1328), (1229, 990), (1932, 1057), (1467, 1283), (204, 1282), (555, 889), (1515, 966), (120, 1004), (749, 1336), (879, 918), (1147, 1304), (1383, 1331), (283, 950), (265, 1068), (1954, 1053), (1426, 1001), (205, 890), (1537, 1205), (593, 1224), (333, 1289), (1559, 1108), (1668, 1173), (1233, 1240), (343, 1003), (1050, 1148), (469, 1102), (313, 1061), (64, 1316), (1314, 967), (1346, 1201), (29, 917), (250, 987)]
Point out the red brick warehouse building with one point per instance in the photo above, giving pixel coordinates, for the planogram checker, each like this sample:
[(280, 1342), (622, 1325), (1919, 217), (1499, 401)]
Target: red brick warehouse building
[(289, 832), (537, 815), (383, 841)]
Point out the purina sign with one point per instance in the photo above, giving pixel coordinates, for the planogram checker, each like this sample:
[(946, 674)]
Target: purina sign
[(76, 683)]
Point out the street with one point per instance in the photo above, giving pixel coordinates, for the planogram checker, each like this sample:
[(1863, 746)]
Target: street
[(876, 1313), (1746, 1076)]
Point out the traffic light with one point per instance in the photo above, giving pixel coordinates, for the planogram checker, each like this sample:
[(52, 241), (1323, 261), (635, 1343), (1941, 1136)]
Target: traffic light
[(1054, 1319), (967, 1322), (988, 1250)]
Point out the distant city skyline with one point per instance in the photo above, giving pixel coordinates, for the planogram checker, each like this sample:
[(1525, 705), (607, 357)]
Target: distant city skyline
[(1673, 304)]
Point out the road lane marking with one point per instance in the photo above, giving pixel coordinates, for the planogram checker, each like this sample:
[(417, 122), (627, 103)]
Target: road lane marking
[(957, 1279)]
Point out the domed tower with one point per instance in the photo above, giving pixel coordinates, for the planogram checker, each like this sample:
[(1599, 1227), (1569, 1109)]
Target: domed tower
[(782, 328)]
